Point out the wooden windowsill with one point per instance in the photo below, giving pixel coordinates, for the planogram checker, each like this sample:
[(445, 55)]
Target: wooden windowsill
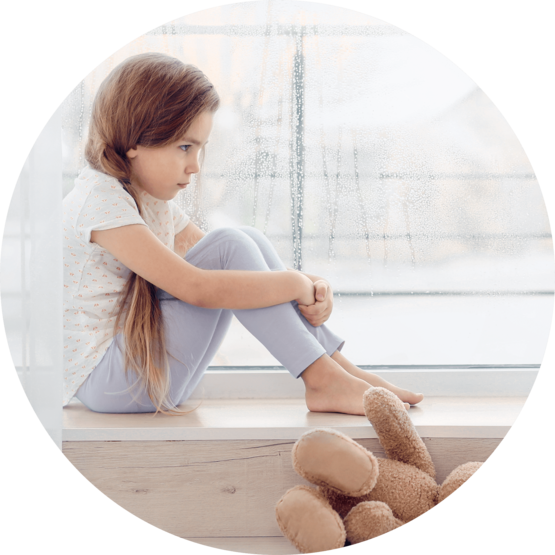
[(287, 419)]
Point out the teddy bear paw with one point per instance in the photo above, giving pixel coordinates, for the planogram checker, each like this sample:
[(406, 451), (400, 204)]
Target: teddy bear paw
[(328, 458), (307, 520)]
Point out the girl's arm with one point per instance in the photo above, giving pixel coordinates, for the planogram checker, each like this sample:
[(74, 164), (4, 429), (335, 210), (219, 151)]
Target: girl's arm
[(317, 314), (141, 251), (187, 238)]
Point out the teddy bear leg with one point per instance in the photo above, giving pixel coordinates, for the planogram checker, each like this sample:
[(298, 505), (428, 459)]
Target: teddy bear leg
[(395, 429), (328, 458), (307, 520), (457, 478), (368, 520)]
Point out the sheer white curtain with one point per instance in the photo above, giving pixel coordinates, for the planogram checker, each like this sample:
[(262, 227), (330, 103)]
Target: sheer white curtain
[(31, 278)]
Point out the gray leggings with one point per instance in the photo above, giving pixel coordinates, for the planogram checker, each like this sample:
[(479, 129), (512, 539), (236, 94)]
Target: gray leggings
[(194, 334)]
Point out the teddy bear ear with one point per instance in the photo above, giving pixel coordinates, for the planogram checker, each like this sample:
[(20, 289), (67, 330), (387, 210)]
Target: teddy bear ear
[(328, 458), (307, 520)]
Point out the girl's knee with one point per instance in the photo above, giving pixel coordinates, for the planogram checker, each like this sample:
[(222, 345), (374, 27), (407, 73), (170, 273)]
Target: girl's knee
[(233, 238), (269, 253), (241, 234), (255, 234), (226, 233), (251, 231), (226, 248)]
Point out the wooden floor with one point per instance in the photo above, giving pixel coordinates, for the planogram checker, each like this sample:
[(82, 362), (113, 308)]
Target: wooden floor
[(260, 545), (222, 492)]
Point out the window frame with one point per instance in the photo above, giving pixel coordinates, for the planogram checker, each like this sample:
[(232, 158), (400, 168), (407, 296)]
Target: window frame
[(274, 382)]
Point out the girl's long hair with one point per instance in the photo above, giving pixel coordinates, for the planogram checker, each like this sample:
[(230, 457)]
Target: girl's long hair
[(149, 100)]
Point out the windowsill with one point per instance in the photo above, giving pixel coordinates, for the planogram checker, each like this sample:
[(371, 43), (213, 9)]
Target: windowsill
[(460, 403), (287, 419)]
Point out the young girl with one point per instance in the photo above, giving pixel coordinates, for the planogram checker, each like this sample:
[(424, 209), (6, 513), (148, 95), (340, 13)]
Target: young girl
[(148, 296)]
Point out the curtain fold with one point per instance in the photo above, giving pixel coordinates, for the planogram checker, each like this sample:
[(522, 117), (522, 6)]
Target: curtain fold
[(31, 270)]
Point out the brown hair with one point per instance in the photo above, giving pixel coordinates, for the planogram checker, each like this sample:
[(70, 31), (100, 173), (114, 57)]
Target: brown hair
[(149, 100)]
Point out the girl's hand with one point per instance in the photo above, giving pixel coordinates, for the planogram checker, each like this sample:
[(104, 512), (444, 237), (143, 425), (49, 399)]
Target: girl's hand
[(309, 291), (320, 311)]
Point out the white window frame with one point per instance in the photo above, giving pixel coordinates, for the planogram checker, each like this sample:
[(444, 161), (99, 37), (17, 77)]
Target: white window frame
[(433, 381)]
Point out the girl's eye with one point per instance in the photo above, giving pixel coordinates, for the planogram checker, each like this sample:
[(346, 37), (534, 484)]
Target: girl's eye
[(185, 148)]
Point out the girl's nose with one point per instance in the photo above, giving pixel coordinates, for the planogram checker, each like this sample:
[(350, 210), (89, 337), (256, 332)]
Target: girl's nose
[(193, 166)]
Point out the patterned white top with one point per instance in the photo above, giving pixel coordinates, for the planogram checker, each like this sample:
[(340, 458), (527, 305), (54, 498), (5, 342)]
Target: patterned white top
[(93, 278)]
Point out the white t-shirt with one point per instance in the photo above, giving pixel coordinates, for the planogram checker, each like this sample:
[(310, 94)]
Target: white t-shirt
[(93, 278)]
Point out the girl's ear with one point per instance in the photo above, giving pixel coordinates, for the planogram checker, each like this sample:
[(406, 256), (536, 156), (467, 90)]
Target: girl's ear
[(131, 153)]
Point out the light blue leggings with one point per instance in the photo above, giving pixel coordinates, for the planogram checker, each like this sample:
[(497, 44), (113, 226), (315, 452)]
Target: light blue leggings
[(194, 334)]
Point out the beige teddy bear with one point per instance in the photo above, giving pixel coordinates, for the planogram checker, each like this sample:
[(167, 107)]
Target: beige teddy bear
[(360, 496)]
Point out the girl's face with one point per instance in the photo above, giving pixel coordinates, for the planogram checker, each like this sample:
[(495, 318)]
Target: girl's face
[(164, 171)]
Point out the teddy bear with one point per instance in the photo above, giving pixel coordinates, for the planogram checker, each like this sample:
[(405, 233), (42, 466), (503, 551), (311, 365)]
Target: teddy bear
[(360, 496)]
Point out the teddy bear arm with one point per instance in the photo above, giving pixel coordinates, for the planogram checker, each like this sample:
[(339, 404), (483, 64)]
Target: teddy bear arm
[(457, 478), (395, 430)]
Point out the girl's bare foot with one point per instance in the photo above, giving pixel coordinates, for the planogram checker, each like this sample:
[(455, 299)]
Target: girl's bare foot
[(405, 395), (329, 388)]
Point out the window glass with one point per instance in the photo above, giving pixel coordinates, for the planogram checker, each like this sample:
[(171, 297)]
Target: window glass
[(370, 159)]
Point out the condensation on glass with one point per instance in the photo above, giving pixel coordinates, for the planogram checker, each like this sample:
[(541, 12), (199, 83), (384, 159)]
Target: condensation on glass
[(368, 158)]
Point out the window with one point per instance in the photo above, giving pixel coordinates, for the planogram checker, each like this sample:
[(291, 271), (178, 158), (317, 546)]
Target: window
[(367, 158)]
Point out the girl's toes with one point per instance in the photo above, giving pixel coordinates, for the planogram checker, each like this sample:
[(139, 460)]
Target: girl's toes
[(410, 397), (416, 398)]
